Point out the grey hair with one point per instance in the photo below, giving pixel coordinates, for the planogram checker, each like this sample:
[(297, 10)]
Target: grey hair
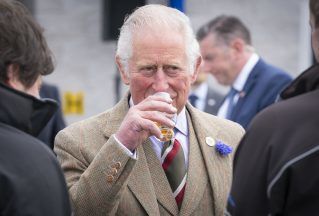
[(154, 16), (225, 29)]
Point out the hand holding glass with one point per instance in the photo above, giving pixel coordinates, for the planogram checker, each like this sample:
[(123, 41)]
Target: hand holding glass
[(167, 133)]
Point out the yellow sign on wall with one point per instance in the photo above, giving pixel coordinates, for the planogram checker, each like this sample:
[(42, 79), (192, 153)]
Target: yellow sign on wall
[(73, 103)]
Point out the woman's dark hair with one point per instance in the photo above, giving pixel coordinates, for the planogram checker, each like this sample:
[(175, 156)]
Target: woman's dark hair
[(22, 44)]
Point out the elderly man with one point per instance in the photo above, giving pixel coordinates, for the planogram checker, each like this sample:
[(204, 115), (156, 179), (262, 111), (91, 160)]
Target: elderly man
[(31, 179), (115, 163)]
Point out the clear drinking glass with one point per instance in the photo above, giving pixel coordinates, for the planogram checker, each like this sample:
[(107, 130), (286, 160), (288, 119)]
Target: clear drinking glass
[(167, 133)]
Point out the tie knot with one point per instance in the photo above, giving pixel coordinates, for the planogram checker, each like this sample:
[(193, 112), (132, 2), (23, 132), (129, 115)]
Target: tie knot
[(232, 92), (192, 99)]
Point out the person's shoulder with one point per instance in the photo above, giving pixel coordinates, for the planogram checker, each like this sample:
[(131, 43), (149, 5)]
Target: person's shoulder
[(279, 114), (208, 118), (108, 120), (211, 122), (287, 126), (103, 123), (17, 141), (272, 71), (91, 123), (298, 104)]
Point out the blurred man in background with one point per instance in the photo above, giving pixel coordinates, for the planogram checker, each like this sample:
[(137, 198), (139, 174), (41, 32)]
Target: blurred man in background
[(31, 180), (276, 165), (228, 54)]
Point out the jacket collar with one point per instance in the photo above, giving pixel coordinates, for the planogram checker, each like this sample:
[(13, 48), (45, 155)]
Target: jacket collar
[(305, 82), (249, 84), (24, 111)]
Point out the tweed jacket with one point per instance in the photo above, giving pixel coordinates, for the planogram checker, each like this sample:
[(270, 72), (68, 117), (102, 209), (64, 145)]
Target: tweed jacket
[(103, 180)]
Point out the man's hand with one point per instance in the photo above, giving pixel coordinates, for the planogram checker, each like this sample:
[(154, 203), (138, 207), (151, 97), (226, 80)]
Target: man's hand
[(139, 122)]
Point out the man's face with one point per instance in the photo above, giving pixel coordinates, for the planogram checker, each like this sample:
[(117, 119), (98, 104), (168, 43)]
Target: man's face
[(314, 37), (159, 64), (218, 60)]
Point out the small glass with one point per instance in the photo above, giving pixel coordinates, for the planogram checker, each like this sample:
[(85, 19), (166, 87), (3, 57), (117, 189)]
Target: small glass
[(167, 133)]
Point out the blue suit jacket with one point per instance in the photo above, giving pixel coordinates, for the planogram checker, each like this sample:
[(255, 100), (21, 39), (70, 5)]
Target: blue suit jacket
[(261, 89)]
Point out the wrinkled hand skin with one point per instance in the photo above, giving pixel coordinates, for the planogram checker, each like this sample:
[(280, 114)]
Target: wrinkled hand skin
[(139, 122)]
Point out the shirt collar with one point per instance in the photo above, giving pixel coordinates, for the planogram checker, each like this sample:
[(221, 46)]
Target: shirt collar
[(244, 73), (181, 120)]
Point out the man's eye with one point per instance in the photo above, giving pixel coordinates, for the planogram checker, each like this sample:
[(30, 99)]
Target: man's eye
[(148, 70), (172, 70)]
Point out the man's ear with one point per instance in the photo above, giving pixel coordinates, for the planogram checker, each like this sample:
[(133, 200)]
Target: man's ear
[(13, 77), (196, 69), (238, 45), (124, 74)]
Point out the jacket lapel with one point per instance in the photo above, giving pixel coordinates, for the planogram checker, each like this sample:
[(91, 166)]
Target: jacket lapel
[(217, 167), (196, 180), (162, 188), (140, 183), (249, 85)]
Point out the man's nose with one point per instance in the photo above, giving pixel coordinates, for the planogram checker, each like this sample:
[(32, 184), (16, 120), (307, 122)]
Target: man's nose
[(160, 83)]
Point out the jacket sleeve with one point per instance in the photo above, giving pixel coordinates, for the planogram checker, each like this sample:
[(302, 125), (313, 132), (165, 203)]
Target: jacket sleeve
[(96, 185)]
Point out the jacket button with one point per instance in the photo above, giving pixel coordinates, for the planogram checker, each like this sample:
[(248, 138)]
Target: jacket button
[(117, 165), (109, 178), (114, 171)]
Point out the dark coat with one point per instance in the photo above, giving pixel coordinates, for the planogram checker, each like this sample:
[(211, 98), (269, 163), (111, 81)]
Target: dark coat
[(56, 123), (277, 162), (263, 85), (31, 180)]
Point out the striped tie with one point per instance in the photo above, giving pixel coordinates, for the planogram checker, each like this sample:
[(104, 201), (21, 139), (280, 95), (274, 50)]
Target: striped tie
[(173, 163)]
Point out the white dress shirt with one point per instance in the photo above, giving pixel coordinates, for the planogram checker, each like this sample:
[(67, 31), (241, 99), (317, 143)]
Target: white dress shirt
[(239, 83)]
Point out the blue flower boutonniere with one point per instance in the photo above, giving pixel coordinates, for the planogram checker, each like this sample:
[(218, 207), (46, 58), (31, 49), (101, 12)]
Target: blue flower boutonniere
[(222, 148)]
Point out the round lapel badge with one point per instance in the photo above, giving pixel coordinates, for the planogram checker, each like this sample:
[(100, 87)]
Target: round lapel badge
[(210, 141)]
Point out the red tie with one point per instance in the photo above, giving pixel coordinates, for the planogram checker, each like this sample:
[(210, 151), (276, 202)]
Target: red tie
[(173, 163)]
